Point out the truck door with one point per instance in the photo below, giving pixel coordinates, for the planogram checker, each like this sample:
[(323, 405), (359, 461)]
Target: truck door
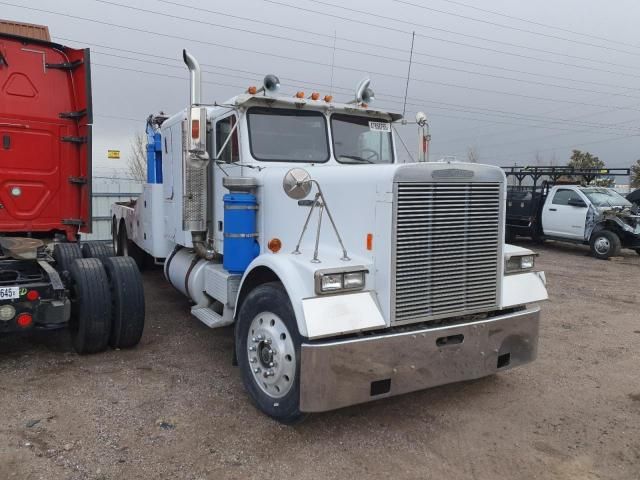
[(562, 219)]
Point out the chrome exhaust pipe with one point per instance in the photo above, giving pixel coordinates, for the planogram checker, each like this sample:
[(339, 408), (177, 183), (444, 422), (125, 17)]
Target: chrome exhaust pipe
[(196, 77)]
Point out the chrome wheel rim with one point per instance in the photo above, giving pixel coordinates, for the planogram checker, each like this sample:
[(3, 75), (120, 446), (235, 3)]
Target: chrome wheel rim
[(271, 354), (602, 245)]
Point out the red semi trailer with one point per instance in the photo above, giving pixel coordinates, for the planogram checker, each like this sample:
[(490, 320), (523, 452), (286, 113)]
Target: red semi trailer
[(47, 278)]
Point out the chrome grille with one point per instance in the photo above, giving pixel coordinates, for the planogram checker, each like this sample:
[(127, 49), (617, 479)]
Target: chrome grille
[(446, 248)]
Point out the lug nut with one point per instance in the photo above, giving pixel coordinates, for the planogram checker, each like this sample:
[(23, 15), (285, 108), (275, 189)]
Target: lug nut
[(252, 348), (256, 370), (270, 364), (253, 360), (267, 341)]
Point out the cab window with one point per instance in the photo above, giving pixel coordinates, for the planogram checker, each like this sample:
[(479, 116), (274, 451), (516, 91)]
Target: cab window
[(361, 139), (223, 127), (563, 196)]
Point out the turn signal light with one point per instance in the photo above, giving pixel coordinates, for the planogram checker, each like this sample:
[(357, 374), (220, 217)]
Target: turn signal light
[(274, 245), (195, 129), (33, 295), (300, 95), (24, 320)]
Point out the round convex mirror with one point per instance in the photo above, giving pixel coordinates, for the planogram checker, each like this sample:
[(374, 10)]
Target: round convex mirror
[(297, 183)]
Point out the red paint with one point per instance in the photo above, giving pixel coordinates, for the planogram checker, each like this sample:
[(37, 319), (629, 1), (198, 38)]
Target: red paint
[(33, 157)]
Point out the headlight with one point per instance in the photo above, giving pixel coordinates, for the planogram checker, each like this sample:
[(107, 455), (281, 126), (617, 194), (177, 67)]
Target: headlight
[(519, 263), (335, 280), (332, 282)]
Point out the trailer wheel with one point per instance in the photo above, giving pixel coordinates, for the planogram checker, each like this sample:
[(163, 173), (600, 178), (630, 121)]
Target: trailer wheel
[(268, 351), (127, 295), (127, 248), (90, 322), (65, 254), (99, 250), (605, 244), (114, 237)]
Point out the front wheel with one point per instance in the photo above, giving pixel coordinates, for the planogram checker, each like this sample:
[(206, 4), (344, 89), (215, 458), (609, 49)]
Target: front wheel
[(605, 244), (268, 351)]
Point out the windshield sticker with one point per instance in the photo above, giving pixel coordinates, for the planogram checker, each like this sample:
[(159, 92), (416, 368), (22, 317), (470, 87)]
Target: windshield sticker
[(380, 127)]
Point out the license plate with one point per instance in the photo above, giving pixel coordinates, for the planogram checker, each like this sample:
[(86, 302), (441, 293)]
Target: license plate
[(8, 293)]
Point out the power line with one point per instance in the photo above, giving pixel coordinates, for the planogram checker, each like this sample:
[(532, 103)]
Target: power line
[(462, 108), (385, 57), (532, 22), (475, 37), (253, 51), (611, 139), (511, 27), (379, 45)]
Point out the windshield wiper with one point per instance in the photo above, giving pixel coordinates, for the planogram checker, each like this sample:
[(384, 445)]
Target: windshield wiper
[(355, 157)]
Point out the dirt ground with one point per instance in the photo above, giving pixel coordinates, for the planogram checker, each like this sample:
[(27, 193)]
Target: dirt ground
[(174, 408)]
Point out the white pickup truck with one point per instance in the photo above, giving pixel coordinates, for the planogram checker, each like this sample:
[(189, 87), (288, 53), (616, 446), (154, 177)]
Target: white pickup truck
[(595, 216)]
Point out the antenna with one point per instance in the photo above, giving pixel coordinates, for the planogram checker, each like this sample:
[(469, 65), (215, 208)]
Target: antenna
[(406, 88), (333, 59)]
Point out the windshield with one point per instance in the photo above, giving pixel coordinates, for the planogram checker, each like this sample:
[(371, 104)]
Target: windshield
[(361, 139), (605, 197), (286, 135)]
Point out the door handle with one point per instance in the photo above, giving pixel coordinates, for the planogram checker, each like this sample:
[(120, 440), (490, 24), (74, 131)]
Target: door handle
[(553, 209)]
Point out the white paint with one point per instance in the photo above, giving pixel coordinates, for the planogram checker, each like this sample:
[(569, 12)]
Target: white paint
[(523, 288), (338, 314)]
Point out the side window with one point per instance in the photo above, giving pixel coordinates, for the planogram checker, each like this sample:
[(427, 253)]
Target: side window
[(562, 197), (223, 127)]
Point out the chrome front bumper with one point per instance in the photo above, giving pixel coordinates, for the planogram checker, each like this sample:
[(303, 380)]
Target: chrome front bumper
[(339, 373)]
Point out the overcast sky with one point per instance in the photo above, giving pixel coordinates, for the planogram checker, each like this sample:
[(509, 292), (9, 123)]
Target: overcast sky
[(517, 82)]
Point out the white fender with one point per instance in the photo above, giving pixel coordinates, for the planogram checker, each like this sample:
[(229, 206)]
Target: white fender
[(290, 275), (522, 288), (319, 316)]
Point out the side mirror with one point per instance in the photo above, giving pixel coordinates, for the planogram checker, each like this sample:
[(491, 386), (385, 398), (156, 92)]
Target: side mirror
[(197, 134), (577, 202)]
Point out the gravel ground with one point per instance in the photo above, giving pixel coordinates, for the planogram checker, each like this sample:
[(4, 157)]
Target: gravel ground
[(174, 408)]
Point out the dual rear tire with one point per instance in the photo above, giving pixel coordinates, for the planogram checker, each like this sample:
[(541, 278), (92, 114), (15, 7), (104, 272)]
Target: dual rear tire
[(107, 298)]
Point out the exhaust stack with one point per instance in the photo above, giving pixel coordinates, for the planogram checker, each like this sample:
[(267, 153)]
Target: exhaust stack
[(194, 162), (196, 77)]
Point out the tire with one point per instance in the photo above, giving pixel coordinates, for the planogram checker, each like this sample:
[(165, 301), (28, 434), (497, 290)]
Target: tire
[(114, 237), (65, 254), (127, 248), (90, 323), (127, 296), (510, 235), (99, 250), (278, 395), (605, 244)]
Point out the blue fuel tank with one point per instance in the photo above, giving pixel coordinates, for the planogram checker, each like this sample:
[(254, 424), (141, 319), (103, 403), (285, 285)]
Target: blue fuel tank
[(240, 237)]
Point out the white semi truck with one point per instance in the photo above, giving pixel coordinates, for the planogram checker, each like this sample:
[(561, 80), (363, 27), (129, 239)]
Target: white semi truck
[(349, 276)]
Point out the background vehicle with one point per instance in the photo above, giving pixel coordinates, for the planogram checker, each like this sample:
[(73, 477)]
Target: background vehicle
[(349, 277), (47, 279), (591, 215)]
